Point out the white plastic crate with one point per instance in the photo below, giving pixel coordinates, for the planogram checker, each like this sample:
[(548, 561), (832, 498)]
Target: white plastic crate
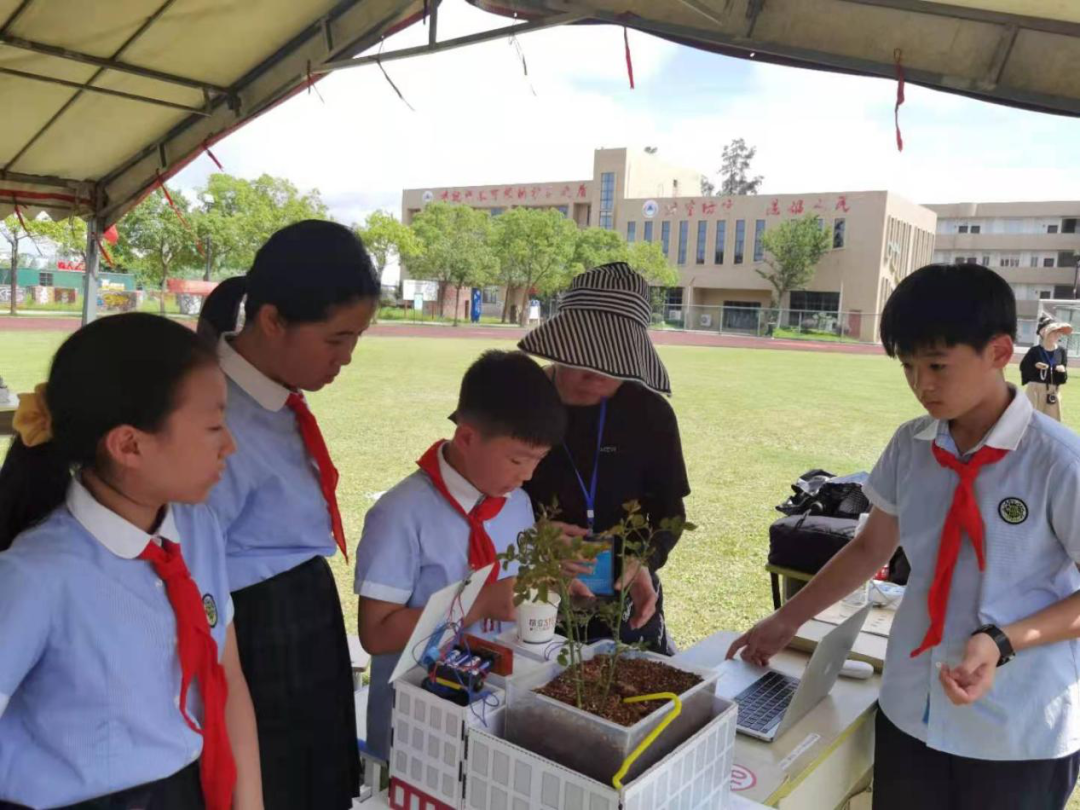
[(428, 743), (695, 776)]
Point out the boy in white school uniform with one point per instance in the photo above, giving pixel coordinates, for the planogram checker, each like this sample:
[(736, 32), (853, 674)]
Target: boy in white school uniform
[(980, 701), (462, 507)]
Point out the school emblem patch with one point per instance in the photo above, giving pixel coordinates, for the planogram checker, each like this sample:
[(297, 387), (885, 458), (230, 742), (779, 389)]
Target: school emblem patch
[(1013, 511), (210, 606)]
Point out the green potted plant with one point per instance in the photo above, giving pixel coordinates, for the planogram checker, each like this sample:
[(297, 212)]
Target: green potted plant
[(585, 709)]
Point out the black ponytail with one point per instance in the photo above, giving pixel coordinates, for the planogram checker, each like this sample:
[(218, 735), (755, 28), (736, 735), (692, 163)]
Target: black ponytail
[(307, 268), (221, 309), (119, 370)]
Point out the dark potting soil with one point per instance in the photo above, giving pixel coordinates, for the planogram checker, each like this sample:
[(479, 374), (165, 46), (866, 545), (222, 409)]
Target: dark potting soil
[(634, 676)]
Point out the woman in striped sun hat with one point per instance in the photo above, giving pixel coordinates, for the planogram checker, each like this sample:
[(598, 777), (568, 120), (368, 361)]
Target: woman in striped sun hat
[(622, 442)]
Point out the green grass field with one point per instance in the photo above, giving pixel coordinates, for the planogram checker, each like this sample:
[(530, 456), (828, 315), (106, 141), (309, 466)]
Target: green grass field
[(751, 422)]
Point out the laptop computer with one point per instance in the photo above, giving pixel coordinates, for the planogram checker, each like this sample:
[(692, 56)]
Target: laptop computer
[(770, 702)]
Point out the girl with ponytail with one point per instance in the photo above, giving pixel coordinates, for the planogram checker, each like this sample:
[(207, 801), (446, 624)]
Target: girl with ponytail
[(307, 299)]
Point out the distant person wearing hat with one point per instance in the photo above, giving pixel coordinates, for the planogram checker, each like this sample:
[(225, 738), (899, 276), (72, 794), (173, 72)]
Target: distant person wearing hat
[(1042, 371), (622, 440)]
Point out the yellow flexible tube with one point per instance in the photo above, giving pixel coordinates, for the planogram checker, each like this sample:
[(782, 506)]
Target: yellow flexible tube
[(616, 780)]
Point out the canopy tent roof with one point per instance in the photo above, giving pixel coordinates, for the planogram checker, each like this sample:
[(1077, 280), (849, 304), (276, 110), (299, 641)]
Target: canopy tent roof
[(1024, 53), (101, 100)]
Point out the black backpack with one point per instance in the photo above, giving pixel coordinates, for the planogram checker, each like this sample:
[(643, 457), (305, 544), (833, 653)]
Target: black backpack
[(822, 514), (822, 494)]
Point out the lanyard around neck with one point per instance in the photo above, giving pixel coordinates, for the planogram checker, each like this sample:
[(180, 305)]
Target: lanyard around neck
[(589, 493)]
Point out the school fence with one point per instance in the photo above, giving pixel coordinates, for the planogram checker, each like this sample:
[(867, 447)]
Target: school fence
[(797, 324)]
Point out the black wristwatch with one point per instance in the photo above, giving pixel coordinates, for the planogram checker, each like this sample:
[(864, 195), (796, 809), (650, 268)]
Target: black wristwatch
[(1003, 644)]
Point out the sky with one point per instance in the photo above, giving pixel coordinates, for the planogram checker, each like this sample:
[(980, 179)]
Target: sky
[(477, 119)]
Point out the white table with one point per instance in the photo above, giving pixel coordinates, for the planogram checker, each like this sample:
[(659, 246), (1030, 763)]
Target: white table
[(823, 760)]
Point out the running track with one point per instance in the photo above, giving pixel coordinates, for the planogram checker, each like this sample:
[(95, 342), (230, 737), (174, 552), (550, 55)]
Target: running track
[(659, 337)]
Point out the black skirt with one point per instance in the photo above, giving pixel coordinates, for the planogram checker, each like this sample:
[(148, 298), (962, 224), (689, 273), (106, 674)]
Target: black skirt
[(291, 636), (181, 791)]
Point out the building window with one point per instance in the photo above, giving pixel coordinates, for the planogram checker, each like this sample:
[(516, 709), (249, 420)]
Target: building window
[(490, 295), (1034, 260), (674, 297), (607, 199), (986, 261), (1044, 295), (838, 230), (1048, 261), (1051, 228), (972, 260), (648, 231), (563, 209), (45, 279), (976, 228), (759, 247), (1009, 261), (740, 240), (495, 211), (721, 238), (702, 234), (805, 301), (631, 231), (665, 237), (1068, 226), (684, 237), (962, 229)]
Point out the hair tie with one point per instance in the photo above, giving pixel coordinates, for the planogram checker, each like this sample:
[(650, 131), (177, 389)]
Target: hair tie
[(32, 421)]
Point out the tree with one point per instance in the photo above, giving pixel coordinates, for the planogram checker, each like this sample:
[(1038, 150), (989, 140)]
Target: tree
[(736, 164), (596, 246), (155, 243), (534, 248), (15, 234), (648, 259), (384, 236), (69, 236), (454, 249), (239, 215), (708, 187), (793, 249)]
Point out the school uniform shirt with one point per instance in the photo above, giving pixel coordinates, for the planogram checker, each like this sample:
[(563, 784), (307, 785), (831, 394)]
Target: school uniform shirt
[(414, 544), (269, 500), (1030, 505), (641, 459), (89, 670)]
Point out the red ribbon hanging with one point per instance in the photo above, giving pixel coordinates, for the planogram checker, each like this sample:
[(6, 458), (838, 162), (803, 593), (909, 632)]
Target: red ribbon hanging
[(22, 221), (105, 253), (181, 217), (213, 157), (629, 61), (898, 56)]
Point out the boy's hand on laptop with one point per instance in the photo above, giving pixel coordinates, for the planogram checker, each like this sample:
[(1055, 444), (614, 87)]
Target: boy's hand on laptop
[(974, 677), (765, 639)]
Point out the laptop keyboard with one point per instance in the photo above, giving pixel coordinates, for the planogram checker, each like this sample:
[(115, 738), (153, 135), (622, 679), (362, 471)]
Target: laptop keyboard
[(765, 700)]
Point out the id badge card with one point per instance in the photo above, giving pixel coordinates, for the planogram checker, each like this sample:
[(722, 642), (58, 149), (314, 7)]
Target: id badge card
[(602, 579)]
